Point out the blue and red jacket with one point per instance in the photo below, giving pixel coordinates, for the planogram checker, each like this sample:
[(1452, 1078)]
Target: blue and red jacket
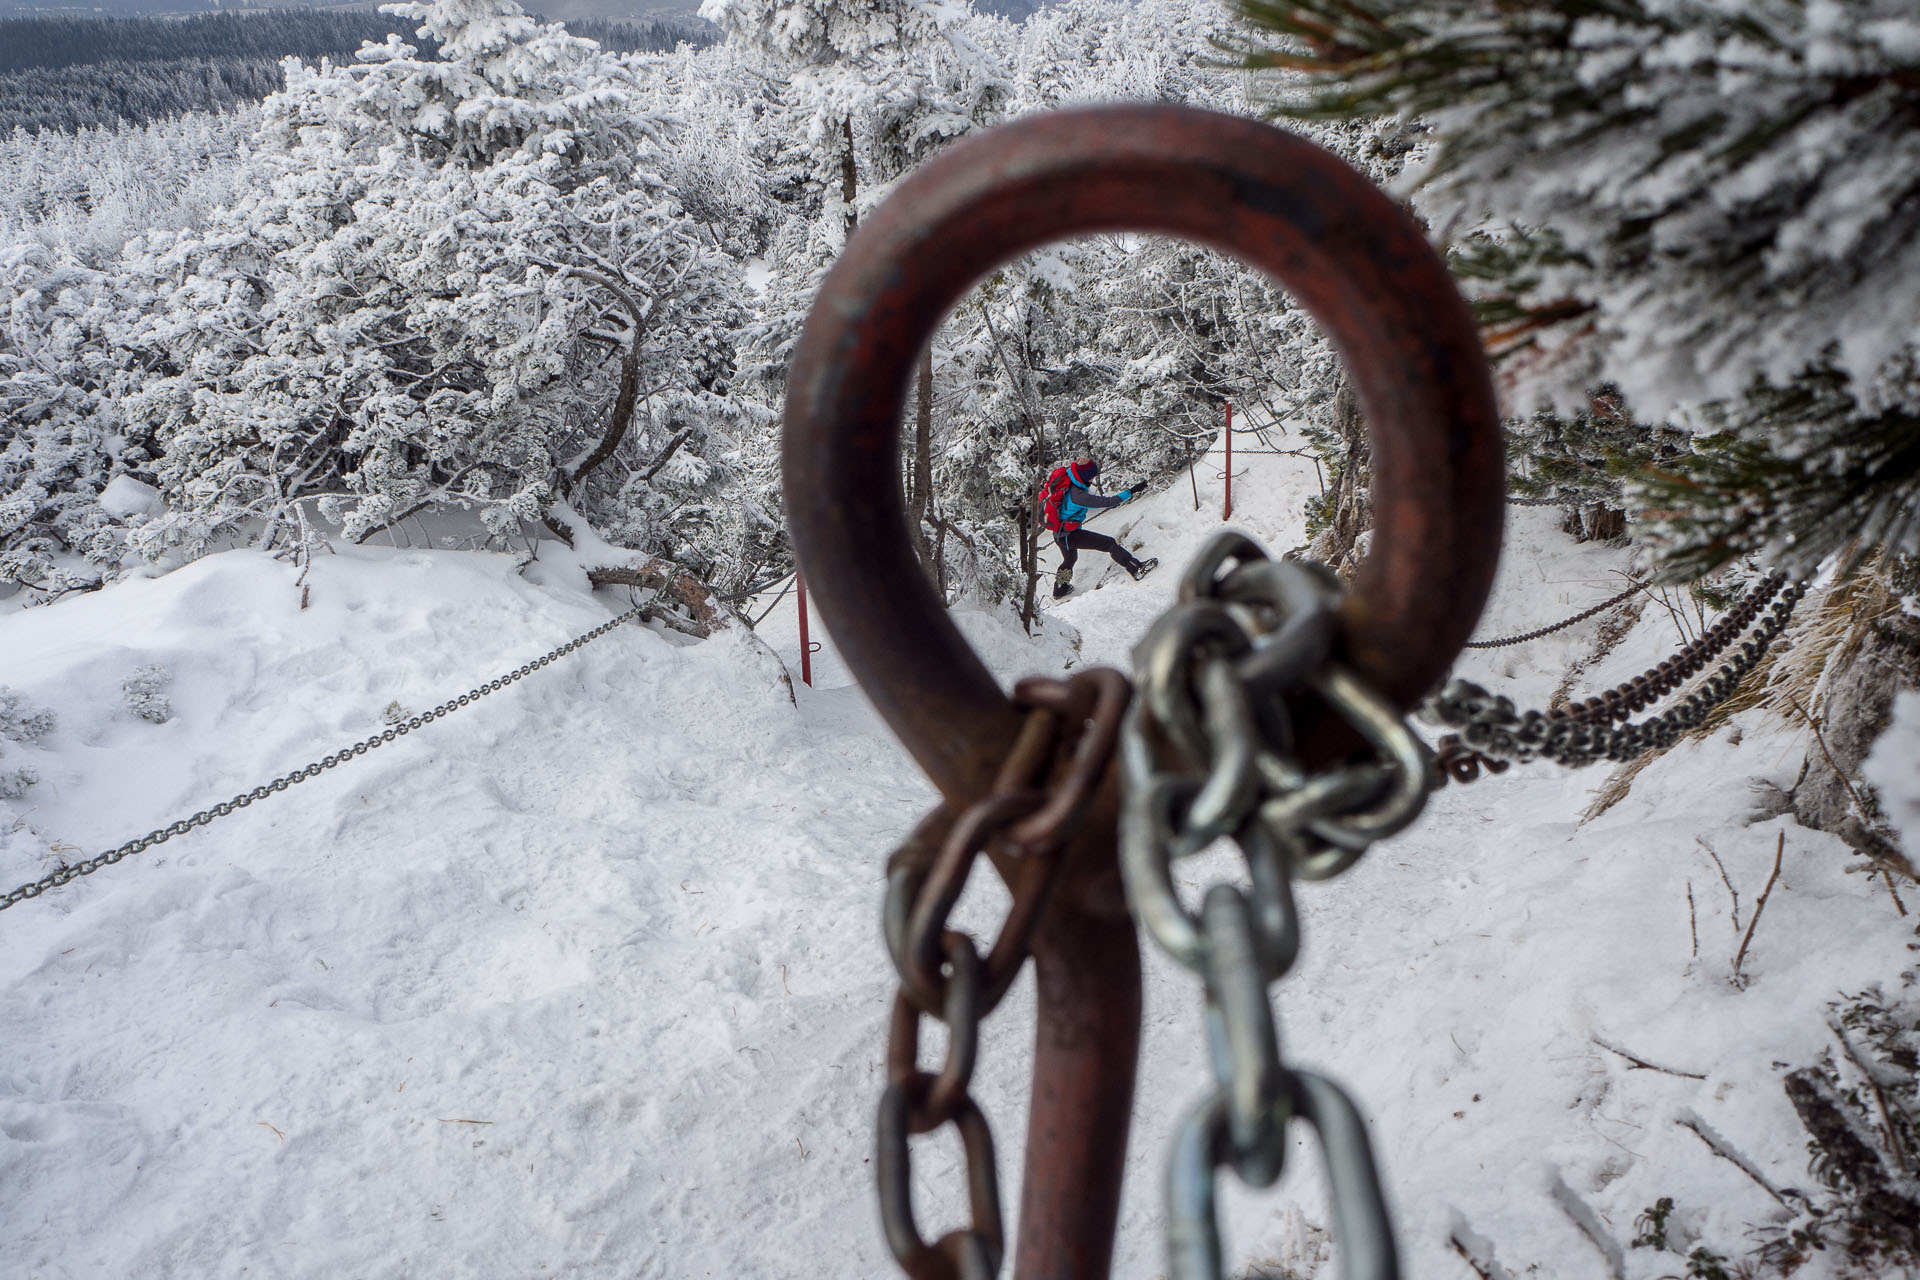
[(1066, 499)]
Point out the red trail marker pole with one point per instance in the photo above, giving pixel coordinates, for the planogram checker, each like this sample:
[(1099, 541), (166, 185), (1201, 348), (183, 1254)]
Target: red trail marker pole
[(806, 649), (1226, 512)]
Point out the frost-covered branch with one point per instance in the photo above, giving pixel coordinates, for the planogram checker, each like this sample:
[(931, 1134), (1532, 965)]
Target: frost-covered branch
[(1713, 208)]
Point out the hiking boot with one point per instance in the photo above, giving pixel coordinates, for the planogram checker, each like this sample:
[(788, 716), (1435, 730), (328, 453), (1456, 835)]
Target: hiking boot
[(1062, 584), (1141, 568)]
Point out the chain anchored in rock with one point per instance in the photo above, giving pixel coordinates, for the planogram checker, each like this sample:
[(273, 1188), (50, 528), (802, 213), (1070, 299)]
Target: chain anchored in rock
[(74, 871), (1492, 730), (1207, 752), (944, 976), (1582, 616)]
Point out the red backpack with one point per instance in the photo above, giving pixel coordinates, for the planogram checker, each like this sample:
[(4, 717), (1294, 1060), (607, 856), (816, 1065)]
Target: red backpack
[(1050, 495)]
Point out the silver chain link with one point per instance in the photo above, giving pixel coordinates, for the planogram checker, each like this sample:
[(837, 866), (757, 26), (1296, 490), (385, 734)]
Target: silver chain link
[(161, 835), (1207, 751)]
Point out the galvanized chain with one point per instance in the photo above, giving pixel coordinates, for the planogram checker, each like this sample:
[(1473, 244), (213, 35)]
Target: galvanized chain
[(161, 835), (1071, 729), (1493, 730), (1208, 751), (1535, 634)]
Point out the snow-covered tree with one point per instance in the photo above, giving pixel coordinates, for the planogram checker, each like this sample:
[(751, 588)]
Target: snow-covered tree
[(89, 192), (63, 439), (523, 277), (1690, 230), (1711, 206), (874, 89), (841, 58), (460, 281)]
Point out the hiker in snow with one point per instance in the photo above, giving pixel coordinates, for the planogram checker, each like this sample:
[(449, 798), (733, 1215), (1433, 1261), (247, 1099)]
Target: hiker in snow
[(1065, 502)]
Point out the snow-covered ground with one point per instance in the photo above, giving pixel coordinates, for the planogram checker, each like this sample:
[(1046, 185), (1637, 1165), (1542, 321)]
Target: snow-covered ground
[(586, 978)]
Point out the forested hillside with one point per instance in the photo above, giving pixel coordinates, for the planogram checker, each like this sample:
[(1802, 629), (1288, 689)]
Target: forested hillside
[(606, 341), (26, 43), (75, 73)]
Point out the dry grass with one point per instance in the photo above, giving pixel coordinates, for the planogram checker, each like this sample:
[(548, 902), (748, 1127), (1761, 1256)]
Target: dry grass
[(1618, 783), (1828, 635)]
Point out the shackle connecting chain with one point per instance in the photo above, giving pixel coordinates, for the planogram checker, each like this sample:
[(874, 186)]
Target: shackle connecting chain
[(1070, 731), (1208, 751)]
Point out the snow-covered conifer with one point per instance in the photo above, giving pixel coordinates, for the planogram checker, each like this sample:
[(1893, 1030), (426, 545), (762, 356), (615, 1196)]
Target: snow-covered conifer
[(460, 282), (842, 56), (62, 435), (1713, 207)]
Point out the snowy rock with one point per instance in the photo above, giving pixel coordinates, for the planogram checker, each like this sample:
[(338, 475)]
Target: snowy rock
[(124, 496), (1893, 769)]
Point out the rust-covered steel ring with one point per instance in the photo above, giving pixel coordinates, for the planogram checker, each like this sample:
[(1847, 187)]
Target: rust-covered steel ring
[(1357, 262)]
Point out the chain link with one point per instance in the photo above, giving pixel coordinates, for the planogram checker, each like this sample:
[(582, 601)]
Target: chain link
[(1632, 696), (1070, 729), (1535, 634), (1494, 732), (1208, 751), (161, 835)]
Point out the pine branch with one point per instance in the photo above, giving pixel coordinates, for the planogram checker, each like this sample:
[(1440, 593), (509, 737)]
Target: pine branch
[(1707, 205), (1833, 477)]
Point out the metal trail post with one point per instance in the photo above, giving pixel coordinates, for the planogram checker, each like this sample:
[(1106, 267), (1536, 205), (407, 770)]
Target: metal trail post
[(806, 649), (1226, 512)]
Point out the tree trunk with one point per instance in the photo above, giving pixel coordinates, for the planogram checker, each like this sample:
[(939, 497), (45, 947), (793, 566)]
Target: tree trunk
[(1878, 659), (849, 184), (623, 401), (1595, 522), (920, 482), (1342, 544), (1029, 562), (675, 588), (940, 556)]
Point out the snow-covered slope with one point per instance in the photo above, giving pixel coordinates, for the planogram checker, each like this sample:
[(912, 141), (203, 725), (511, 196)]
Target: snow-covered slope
[(586, 978)]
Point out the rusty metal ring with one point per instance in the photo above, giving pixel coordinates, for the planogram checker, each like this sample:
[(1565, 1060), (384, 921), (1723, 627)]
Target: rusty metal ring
[(1356, 261)]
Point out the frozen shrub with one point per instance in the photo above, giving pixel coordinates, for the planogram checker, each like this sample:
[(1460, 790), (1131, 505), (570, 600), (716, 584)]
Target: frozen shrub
[(21, 721), (143, 690)]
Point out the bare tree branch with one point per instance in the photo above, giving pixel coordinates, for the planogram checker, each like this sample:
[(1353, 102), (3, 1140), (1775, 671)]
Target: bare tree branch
[(629, 392), (666, 455)]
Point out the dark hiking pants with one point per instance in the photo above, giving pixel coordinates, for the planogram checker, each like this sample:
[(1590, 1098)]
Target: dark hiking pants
[(1072, 544)]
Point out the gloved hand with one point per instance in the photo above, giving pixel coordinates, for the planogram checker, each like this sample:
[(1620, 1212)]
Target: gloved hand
[(1126, 495)]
